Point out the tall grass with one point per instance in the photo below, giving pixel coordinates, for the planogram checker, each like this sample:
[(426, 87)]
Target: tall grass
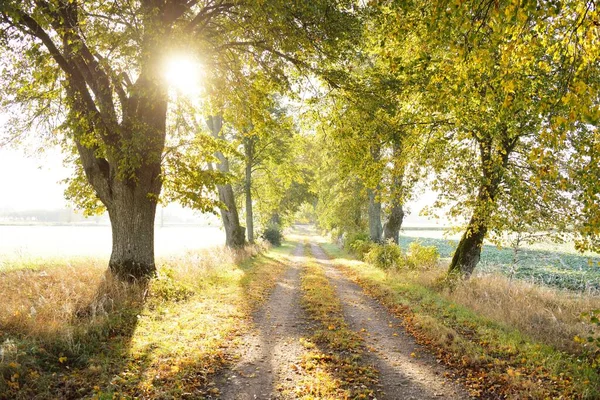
[(550, 315), (69, 330)]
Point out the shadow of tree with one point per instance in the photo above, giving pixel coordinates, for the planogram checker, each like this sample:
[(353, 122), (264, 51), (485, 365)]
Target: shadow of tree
[(71, 358)]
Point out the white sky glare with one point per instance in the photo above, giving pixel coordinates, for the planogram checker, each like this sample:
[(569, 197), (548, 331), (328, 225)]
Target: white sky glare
[(31, 182)]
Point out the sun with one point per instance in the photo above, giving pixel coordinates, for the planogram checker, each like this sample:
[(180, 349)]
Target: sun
[(183, 74)]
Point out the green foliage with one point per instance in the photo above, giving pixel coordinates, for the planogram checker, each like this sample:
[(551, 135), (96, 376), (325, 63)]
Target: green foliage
[(386, 256), (390, 256), (361, 247), (273, 234), (422, 256), (352, 237), (359, 243)]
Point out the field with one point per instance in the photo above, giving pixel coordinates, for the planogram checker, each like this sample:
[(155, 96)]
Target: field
[(556, 265), (37, 245)]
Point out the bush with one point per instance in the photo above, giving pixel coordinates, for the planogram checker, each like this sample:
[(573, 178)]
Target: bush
[(386, 256), (273, 235), (361, 247), (422, 256), (353, 237)]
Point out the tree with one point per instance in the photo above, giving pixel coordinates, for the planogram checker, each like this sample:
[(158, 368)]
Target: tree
[(268, 164), (97, 66), (234, 232), (487, 82)]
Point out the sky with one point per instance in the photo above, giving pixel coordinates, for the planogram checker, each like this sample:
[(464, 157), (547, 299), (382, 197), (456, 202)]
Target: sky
[(31, 181)]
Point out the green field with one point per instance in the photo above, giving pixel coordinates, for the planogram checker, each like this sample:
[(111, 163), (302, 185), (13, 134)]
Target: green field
[(550, 264)]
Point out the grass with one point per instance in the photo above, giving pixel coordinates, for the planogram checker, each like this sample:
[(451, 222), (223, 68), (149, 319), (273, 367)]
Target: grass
[(507, 339), (542, 263), (68, 331), (332, 364)]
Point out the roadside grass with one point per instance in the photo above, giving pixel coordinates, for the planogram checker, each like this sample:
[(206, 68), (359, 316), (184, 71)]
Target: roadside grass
[(507, 339), (70, 331), (545, 263), (332, 363)]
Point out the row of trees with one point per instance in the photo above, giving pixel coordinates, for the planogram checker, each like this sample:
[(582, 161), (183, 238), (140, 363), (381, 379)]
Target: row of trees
[(493, 104), (92, 74)]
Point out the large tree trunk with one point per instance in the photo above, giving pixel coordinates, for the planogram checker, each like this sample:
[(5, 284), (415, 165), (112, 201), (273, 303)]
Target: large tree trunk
[(467, 254), (128, 181), (391, 229), (375, 228), (132, 214), (249, 215), (234, 232)]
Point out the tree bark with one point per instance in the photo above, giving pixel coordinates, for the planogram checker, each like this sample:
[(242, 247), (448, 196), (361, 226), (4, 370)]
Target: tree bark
[(234, 232), (249, 149), (275, 219), (391, 229), (394, 223), (375, 228), (467, 254), (132, 214)]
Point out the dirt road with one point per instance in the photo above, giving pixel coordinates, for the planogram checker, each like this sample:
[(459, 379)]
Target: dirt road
[(269, 355)]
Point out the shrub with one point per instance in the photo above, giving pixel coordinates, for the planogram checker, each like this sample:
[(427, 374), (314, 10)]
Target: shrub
[(592, 342), (386, 256), (273, 235), (353, 237), (361, 247), (422, 256)]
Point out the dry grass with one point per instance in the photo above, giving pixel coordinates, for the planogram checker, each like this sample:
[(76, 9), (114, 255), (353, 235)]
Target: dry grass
[(548, 315), (69, 331)]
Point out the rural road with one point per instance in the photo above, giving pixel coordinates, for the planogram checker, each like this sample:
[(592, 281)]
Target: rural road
[(268, 356)]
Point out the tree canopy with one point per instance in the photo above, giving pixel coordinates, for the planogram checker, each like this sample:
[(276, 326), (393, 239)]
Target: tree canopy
[(492, 104)]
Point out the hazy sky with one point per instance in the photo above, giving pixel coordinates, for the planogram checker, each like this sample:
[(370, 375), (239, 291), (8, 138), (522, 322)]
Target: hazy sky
[(31, 182), (34, 182)]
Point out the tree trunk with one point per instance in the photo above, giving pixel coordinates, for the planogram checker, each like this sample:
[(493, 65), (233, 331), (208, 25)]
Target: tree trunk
[(128, 182), (249, 149), (467, 254), (234, 232), (275, 219), (249, 216), (132, 214), (375, 228), (392, 227)]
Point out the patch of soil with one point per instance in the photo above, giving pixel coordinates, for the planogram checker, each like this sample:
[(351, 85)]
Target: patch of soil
[(406, 370), (268, 356)]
